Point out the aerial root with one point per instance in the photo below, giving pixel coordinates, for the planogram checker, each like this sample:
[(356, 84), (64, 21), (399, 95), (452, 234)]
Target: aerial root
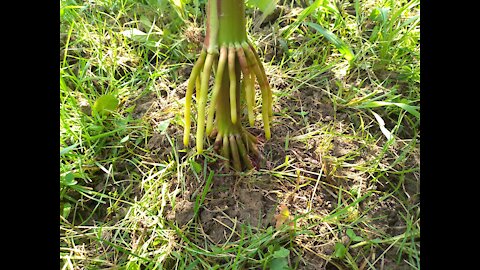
[(237, 148), (188, 95), (234, 151), (218, 142), (264, 75), (248, 83), (233, 142), (197, 84), (233, 83), (213, 134), (216, 87), (251, 95), (243, 152), (225, 147), (202, 102), (264, 88)]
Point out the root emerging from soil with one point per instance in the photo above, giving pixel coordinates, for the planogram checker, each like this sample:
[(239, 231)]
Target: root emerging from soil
[(237, 67)]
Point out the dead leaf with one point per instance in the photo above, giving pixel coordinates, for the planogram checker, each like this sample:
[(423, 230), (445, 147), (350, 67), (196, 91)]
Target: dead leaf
[(282, 216)]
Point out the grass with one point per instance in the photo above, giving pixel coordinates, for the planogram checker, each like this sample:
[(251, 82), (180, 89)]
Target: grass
[(343, 158)]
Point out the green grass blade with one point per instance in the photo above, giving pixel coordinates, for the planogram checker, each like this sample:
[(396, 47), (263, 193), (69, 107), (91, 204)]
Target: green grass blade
[(406, 107), (266, 6), (200, 200), (67, 149), (344, 49), (307, 11)]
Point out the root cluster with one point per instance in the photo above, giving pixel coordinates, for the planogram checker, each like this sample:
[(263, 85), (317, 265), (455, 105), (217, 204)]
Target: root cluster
[(235, 146), (244, 68)]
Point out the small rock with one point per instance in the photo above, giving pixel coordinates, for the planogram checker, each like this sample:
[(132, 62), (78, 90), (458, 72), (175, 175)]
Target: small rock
[(84, 106)]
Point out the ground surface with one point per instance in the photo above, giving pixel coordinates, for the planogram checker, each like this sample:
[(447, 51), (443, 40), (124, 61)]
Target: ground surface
[(343, 158)]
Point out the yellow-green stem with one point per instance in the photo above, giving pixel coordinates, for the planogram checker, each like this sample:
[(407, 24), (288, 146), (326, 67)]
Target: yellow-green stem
[(188, 95), (264, 88), (216, 88), (231, 21), (202, 102), (226, 31), (247, 83), (262, 69), (233, 83)]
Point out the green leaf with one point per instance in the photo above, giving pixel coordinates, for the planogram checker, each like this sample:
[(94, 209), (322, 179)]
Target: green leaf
[(281, 253), (376, 241), (179, 7), (62, 9), (355, 238), (63, 85), (265, 6), (178, 3), (154, 30), (124, 139), (69, 179), (278, 264), (302, 113), (67, 149), (344, 49), (340, 251), (67, 207), (149, 39), (201, 198), (163, 125), (132, 265), (105, 104), (380, 14), (193, 265), (196, 166), (409, 108), (135, 34), (350, 233), (307, 11)]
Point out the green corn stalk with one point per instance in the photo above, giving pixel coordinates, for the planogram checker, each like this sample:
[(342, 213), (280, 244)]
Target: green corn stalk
[(237, 66)]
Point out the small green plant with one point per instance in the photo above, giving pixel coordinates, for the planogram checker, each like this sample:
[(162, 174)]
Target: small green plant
[(388, 26), (105, 104), (228, 51), (341, 251), (278, 258), (351, 234)]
